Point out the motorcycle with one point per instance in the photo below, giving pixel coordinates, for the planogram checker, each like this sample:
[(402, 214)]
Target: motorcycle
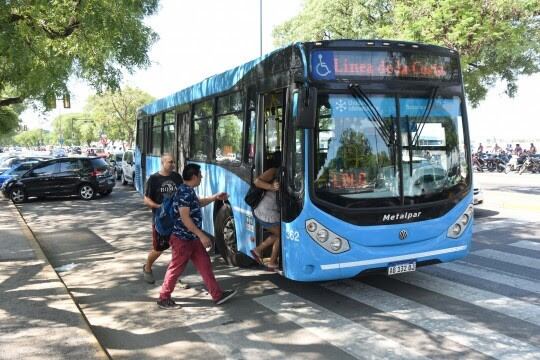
[(515, 163), (531, 164), (478, 162)]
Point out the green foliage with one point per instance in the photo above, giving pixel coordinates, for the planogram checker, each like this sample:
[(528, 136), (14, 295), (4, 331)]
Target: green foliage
[(497, 40), (74, 129), (35, 137), (43, 43), (9, 120), (115, 112)]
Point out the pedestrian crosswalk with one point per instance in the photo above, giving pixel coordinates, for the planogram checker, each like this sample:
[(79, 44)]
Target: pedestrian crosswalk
[(509, 258), (334, 329), (452, 334), (484, 299), (472, 335), (529, 245)]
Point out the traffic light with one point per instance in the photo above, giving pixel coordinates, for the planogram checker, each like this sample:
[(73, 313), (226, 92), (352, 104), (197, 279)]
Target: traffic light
[(50, 102), (67, 103)]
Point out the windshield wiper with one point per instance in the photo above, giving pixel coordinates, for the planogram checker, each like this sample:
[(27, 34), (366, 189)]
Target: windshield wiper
[(375, 116), (388, 135), (425, 115), (410, 144)]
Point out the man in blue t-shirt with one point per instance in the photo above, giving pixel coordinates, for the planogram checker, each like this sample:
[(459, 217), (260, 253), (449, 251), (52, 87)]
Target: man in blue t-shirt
[(189, 242)]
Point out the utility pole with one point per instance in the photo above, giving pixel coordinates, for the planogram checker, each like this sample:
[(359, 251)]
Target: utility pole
[(260, 28)]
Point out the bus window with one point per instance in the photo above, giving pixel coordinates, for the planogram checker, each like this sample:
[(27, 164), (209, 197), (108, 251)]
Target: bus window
[(273, 120), (140, 135), (168, 133), (251, 132), (157, 122), (201, 139), (229, 128)]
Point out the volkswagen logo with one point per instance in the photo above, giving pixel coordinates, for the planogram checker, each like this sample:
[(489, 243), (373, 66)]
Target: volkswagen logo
[(403, 234)]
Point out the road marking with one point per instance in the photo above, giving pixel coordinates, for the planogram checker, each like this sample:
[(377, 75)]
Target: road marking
[(509, 258), (485, 225), (529, 245), (493, 276), (481, 298), (234, 340), (469, 334), (327, 326)]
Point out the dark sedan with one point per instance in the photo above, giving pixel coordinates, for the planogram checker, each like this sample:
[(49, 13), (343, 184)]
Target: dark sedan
[(85, 177)]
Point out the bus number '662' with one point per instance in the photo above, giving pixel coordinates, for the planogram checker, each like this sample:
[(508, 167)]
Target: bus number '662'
[(293, 235)]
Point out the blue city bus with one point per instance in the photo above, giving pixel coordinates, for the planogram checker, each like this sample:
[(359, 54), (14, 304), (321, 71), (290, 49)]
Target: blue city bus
[(375, 154)]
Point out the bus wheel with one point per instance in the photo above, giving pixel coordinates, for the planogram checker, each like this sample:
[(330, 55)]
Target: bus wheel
[(226, 238)]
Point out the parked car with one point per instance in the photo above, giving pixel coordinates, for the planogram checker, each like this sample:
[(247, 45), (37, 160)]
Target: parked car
[(12, 161), (17, 170), (82, 176), (116, 162), (59, 152), (128, 168)]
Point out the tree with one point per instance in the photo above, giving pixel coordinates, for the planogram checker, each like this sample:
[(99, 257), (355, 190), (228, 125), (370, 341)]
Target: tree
[(116, 111), (497, 40), (74, 129), (33, 137), (43, 43), (9, 120)]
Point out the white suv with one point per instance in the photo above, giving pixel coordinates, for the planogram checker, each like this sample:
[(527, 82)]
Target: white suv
[(128, 168)]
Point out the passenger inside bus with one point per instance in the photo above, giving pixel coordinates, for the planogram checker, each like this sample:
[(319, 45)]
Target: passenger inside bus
[(267, 213)]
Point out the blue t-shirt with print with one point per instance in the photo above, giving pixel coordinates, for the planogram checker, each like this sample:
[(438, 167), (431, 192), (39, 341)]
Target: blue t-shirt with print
[(185, 197)]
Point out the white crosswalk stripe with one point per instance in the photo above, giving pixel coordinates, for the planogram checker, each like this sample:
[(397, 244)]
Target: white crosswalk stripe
[(487, 226), (493, 276), (469, 334), (481, 298), (509, 258), (529, 245), (347, 335), (234, 340)]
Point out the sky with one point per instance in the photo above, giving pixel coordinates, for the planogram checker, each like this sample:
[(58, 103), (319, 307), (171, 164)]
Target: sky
[(205, 37)]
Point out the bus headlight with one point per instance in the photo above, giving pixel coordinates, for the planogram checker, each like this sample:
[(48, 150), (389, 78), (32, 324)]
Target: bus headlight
[(461, 224), (322, 235), (336, 244), (326, 238)]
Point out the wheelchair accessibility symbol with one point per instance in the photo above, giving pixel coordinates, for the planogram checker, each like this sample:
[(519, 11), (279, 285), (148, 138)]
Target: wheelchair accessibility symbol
[(322, 69)]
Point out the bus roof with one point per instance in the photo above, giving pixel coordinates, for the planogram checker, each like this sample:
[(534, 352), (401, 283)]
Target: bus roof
[(212, 85), (227, 80)]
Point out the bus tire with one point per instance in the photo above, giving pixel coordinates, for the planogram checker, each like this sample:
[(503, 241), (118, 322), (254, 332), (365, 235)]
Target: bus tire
[(225, 235)]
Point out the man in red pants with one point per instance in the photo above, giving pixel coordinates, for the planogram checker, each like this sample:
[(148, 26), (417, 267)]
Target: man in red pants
[(189, 242)]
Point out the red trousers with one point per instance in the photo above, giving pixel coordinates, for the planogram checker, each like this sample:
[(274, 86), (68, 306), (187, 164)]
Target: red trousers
[(183, 251)]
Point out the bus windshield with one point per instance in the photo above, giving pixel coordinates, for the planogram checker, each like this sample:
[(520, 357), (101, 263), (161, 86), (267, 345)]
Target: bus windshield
[(364, 142)]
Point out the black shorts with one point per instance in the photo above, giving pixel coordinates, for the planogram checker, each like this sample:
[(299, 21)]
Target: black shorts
[(159, 242)]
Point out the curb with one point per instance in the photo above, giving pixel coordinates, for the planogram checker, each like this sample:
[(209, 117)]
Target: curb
[(36, 247)]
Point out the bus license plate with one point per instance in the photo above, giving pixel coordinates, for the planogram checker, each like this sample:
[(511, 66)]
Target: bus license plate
[(402, 268)]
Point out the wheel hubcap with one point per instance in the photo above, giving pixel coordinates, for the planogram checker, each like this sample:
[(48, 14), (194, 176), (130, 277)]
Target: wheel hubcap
[(87, 192), (228, 235), (17, 195)]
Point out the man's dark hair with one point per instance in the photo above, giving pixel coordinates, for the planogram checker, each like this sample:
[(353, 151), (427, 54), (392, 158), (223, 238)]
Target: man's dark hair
[(191, 170)]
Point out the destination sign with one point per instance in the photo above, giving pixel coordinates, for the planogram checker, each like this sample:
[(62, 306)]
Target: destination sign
[(367, 64)]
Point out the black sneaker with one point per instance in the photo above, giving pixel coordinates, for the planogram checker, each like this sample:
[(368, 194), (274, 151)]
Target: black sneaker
[(227, 294), (168, 304)]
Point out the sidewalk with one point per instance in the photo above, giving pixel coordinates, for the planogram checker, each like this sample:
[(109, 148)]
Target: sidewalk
[(38, 317)]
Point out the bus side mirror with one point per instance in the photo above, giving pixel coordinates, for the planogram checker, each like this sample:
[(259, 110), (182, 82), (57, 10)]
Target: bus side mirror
[(304, 103)]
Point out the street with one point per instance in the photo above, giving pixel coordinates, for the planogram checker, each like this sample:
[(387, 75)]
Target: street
[(485, 306)]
